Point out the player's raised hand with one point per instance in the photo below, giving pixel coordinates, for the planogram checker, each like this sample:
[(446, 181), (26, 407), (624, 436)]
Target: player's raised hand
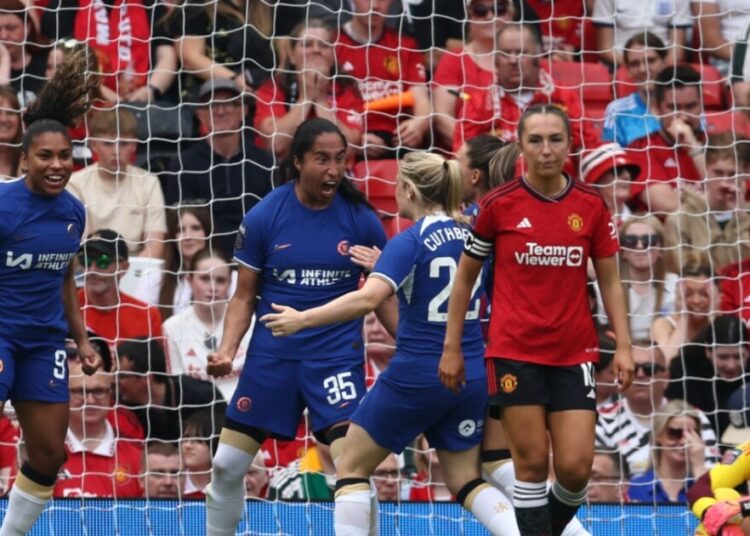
[(451, 370), (624, 368), (219, 364), (285, 321), (91, 361), (364, 256)]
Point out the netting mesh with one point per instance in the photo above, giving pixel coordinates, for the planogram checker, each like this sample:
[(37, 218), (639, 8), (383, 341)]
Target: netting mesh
[(198, 104)]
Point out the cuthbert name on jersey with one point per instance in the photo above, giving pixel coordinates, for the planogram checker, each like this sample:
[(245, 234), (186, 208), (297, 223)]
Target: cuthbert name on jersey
[(312, 277), (44, 261), (441, 236), (538, 255)]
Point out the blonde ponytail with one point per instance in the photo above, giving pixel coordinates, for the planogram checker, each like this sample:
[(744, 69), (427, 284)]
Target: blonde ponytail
[(503, 165), (435, 180)]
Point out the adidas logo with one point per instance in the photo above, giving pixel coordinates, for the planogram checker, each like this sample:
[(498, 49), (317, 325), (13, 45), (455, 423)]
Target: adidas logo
[(670, 162), (347, 67), (592, 394), (524, 224)]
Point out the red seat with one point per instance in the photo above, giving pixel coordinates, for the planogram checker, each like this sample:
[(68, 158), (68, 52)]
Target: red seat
[(591, 80), (728, 121), (378, 182)]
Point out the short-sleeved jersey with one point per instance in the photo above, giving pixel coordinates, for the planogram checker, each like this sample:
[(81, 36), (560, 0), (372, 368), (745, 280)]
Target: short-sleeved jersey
[(420, 264), (540, 308), (628, 119), (382, 68), (303, 259), (39, 236), (458, 71), (561, 22)]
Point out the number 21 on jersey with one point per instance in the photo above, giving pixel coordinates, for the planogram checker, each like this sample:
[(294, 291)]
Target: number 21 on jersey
[(437, 310)]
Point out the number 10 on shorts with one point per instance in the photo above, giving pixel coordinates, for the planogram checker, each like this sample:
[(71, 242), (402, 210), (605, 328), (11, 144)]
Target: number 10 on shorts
[(340, 387)]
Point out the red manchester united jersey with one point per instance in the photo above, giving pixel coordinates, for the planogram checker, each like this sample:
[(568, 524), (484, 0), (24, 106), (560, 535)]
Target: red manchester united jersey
[(540, 307), (385, 67)]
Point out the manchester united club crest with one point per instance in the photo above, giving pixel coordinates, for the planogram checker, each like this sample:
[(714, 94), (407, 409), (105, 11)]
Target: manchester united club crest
[(575, 222), (391, 65), (508, 383)]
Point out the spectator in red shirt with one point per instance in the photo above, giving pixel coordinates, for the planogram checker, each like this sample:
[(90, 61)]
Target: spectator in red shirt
[(305, 88), (520, 83), (734, 284), (99, 464), (562, 25), (112, 314), (162, 477), (384, 62), (379, 348), (472, 66), (9, 435), (673, 154)]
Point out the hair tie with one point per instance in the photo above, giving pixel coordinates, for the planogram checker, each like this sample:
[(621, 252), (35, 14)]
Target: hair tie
[(445, 165)]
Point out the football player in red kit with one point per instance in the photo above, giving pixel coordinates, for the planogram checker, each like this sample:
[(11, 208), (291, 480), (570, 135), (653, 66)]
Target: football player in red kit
[(542, 229)]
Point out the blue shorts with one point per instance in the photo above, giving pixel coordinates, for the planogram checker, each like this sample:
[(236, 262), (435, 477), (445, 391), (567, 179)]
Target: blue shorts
[(272, 393), (394, 415), (32, 369)]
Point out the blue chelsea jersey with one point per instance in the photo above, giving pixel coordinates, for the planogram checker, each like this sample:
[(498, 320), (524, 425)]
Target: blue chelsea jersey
[(303, 259), (420, 264), (39, 237)]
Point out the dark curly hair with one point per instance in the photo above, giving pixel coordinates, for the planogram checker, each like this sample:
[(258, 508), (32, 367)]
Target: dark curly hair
[(63, 99)]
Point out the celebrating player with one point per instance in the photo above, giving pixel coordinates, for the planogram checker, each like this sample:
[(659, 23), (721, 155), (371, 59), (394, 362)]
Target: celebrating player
[(40, 232), (542, 229), (293, 247), (408, 398)]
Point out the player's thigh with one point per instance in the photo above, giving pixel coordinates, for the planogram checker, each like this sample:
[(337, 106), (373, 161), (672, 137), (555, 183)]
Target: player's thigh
[(459, 467), (393, 414), (44, 426), (494, 432), (360, 455), (461, 425), (331, 389), (268, 396)]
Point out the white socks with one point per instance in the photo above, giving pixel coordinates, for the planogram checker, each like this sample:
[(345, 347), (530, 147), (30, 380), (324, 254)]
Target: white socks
[(225, 495), (503, 478), (23, 511), (352, 514), (494, 511)]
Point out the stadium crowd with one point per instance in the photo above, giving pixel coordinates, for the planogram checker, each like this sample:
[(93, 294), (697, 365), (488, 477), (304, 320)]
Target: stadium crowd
[(196, 111)]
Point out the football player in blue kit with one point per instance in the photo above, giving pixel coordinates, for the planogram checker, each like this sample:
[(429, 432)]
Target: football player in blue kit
[(40, 233), (293, 247), (408, 398)]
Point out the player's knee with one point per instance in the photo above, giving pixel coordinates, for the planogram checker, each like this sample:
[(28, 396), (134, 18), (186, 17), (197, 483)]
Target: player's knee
[(573, 476)]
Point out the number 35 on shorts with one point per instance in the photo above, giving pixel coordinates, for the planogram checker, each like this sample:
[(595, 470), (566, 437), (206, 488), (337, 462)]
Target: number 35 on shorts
[(340, 388)]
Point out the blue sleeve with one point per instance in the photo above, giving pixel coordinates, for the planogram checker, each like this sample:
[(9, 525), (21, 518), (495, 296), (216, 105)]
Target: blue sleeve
[(397, 260), (249, 247)]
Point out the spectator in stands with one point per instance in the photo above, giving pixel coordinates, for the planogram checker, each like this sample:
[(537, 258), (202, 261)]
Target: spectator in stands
[(138, 62), (188, 230), (712, 368), (23, 61), (611, 170), (674, 154), (307, 87), (311, 477), (429, 483), (715, 223), (111, 313), (223, 40), (196, 331), (256, 479), (562, 26), (116, 194), (608, 477), (618, 20), (225, 170), (734, 285), (696, 301), (387, 479), (9, 437), (10, 133), (384, 62), (646, 272), (98, 464), (738, 431), (604, 371), (719, 24), (520, 83), (472, 66), (678, 456), (629, 118), (162, 402), (200, 436), (625, 426), (740, 72), (162, 472), (379, 348)]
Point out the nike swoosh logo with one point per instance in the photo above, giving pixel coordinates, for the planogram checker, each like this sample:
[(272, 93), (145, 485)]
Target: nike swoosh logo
[(278, 247)]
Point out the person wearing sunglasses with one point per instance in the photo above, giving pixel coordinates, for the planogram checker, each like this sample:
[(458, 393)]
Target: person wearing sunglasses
[(113, 314), (470, 66), (677, 456), (647, 274), (625, 425)]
